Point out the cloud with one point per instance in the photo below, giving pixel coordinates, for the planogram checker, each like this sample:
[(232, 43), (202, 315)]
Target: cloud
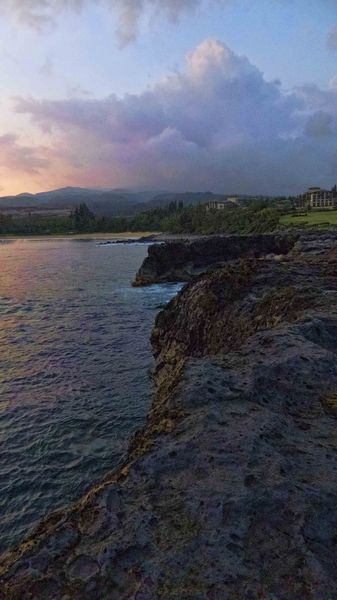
[(321, 124), (316, 99), (217, 124), (78, 91), (130, 13), (22, 167), (21, 159), (40, 14), (220, 96), (332, 39), (47, 69)]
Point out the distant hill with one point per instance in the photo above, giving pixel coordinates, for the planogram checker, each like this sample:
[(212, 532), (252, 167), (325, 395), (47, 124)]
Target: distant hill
[(103, 202)]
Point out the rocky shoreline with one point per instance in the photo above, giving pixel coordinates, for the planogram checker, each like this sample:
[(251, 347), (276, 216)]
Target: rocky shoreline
[(183, 260), (230, 490)]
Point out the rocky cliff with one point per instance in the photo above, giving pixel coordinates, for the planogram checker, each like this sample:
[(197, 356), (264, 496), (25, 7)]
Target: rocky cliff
[(230, 491), (181, 261)]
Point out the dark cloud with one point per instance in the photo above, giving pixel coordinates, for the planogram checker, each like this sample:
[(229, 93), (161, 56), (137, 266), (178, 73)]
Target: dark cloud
[(320, 124), (217, 125)]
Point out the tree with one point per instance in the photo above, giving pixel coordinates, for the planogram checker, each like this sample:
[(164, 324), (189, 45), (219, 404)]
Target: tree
[(5, 223), (83, 219)]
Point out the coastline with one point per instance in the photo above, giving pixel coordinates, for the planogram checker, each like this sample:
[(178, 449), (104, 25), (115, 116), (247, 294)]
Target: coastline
[(132, 235), (229, 490)]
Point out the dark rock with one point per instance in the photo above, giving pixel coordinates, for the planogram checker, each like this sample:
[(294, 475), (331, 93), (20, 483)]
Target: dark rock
[(230, 490), (181, 261), (146, 239)]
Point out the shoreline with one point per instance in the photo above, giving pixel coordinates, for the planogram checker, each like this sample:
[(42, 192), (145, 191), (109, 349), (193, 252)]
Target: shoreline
[(133, 235), (235, 466)]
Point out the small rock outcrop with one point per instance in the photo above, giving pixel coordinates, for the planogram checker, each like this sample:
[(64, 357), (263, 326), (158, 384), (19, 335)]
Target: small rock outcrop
[(230, 490), (181, 261)]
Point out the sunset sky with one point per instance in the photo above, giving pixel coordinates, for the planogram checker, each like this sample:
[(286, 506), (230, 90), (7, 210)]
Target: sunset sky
[(236, 96)]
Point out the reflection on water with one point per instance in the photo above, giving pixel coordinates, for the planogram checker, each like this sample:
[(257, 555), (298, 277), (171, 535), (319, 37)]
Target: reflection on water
[(74, 360)]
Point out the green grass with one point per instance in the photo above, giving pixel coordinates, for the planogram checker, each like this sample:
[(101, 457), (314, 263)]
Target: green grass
[(319, 218)]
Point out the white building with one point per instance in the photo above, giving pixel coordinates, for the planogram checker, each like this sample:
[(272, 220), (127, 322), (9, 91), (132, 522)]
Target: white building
[(317, 198), (216, 205)]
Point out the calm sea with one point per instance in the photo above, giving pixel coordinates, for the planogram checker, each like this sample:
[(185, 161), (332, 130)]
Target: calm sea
[(74, 361)]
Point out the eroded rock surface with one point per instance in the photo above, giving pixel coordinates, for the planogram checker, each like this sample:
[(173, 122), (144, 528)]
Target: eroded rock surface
[(230, 491), (181, 261)]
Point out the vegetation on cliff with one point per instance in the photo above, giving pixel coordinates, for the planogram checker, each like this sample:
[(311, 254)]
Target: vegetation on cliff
[(256, 217)]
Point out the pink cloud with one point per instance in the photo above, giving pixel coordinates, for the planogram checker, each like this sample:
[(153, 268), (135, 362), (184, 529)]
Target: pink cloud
[(218, 124), (16, 157)]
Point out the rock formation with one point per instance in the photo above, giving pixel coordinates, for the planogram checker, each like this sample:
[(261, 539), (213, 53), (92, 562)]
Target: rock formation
[(230, 490), (181, 261)]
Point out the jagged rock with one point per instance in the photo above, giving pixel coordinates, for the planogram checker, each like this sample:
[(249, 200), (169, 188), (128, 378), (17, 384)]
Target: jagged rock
[(181, 261), (230, 490), (184, 260)]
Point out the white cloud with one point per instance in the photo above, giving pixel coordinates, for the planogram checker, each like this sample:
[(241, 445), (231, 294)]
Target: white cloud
[(216, 125)]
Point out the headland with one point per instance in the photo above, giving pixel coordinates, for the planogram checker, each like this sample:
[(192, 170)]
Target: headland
[(230, 490)]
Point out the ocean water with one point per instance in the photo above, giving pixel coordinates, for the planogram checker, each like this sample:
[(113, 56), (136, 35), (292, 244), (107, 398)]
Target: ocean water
[(74, 362)]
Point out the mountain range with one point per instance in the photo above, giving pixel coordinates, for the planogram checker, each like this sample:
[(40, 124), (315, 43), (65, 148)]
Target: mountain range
[(102, 202)]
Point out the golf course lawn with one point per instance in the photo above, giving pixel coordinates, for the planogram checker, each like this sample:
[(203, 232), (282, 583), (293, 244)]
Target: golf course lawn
[(328, 217)]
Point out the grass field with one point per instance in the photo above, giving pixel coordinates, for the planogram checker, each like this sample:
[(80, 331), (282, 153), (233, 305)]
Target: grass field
[(319, 218)]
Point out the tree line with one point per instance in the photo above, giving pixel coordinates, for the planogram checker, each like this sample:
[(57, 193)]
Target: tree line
[(255, 217)]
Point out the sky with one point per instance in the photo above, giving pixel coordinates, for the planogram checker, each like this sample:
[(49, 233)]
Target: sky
[(231, 96)]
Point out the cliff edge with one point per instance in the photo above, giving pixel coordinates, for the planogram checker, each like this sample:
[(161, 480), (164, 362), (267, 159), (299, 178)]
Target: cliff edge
[(230, 490), (181, 261)]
